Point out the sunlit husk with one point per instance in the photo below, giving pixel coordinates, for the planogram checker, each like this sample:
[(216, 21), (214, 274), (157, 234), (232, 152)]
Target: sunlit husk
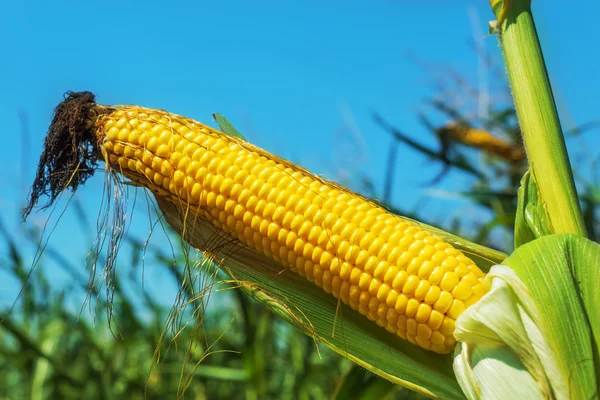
[(500, 341)]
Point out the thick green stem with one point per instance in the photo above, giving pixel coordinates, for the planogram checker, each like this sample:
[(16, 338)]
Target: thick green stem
[(538, 117)]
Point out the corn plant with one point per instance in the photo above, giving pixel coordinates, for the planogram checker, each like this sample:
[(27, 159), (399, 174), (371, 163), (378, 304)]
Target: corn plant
[(422, 308)]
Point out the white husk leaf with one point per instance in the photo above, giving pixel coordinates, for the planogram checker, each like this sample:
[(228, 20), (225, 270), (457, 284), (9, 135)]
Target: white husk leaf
[(501, 350)]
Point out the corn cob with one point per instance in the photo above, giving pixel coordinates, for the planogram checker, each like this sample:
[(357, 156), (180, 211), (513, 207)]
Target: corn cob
[(387, 268), (483, 140)]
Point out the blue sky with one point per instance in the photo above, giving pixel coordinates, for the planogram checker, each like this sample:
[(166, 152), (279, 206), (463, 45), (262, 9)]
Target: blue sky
[(295, 77)]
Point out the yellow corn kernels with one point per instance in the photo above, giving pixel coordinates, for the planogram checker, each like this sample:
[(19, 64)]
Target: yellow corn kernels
[(404, 278)]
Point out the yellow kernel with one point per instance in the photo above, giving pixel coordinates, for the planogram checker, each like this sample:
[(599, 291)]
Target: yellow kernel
[(422, 290), (308, 270), (325, 259), (401, 324), (416, 247), (450, 342), (425, 270), (318, 274), (366, 240), (384, 251), (364, 281), (355, 276), (382, 292), (414, 265), (439, 348), (278, 214), (376, 245), (437, 338), (399, 281), (449, 262), (345, 291), (411, 326), (335, 266), (313, 235), (381, 269), (423, 332), (342, 249), (390, 275), (273, 231), (374, 286), (301, 206), (391, 316), (327, 278), (401, 303), (336, 285), (364, 299), (361, 258), (411, 285), (391, 299), (287, 219), (479, 290), (470, 301), (435, 320), (443, 302), (456, 309), (238, 211), (269, 210), (427, 252), (352, 253), (432, 295), (308, 251), (393, 256), (461, 270), (412, 307), (296, 222), (370, 265), (345, 270), (436, 275), (447, 327), (462, 291), (304, 229), (424, 343), (423, 313), (373, 303), (449, 281)]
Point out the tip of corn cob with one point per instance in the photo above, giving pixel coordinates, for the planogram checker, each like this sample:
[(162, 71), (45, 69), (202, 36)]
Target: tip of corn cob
[(70, 149)]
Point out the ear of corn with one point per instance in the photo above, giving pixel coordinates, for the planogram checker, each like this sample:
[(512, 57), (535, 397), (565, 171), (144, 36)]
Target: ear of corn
[(387, 268), (483, 140)]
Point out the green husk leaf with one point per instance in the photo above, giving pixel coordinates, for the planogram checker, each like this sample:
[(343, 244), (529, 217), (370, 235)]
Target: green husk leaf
[(490, 366), (561, 272), (321, 316), (542, 310), (501, 333), (532, 220), (360, 384), (348, 333), (227, 127)]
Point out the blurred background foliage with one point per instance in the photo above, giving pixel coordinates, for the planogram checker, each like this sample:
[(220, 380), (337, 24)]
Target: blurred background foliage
[(122, 343)]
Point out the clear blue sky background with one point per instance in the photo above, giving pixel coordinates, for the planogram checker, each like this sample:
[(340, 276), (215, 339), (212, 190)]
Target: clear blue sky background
[(290, 75)]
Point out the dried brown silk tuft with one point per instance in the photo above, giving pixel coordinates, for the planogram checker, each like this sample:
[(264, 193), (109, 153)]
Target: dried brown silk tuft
[(70, 150)]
